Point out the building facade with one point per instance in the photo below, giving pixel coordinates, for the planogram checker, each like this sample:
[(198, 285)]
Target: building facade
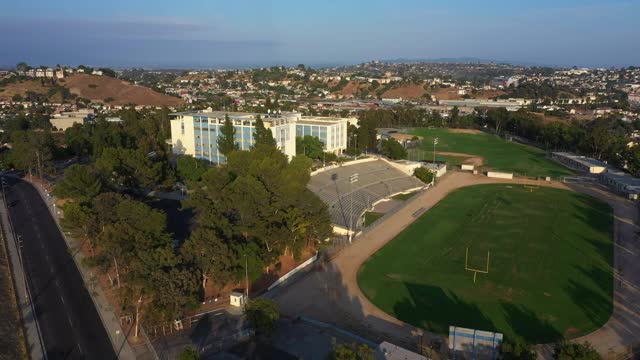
[(332, 132), (196, 133)]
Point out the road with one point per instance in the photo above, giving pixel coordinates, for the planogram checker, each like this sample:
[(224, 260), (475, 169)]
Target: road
[(70, 325)]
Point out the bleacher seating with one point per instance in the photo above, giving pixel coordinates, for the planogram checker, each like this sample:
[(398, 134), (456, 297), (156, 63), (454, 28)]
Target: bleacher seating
[(347, 202)]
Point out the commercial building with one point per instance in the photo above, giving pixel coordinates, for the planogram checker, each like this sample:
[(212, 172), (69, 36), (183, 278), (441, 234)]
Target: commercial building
[(580, 163), (196, 133), (65, 120)]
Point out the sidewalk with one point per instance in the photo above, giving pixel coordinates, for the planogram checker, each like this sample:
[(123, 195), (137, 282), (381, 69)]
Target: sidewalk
[(111, 324), (32, 331)]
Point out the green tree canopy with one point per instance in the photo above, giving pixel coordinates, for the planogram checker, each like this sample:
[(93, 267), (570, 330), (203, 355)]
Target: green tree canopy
[(392, 149), (256, 205), (191, 169), (129, 169), (351, 352), (263, 314), (80, 183), (424, 174), (189, 353), (310, 146), (263, 135), (226, 139)]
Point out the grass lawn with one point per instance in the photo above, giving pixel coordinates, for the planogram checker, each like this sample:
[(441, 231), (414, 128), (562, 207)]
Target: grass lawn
[(550, 272), (370, 217), (498, 153), (426, 155), (404, 197)]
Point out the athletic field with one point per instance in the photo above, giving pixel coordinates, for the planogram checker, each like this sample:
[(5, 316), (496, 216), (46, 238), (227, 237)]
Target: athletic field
[(549, 268), (498, 153)]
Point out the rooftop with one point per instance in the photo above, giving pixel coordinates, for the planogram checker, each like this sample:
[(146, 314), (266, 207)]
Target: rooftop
[(587, 161)]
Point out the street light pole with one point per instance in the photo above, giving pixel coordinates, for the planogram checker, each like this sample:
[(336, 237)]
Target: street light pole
[(352, 179), (435, 142)]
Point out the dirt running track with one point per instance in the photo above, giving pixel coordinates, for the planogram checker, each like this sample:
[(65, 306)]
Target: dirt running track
[(332, 295)]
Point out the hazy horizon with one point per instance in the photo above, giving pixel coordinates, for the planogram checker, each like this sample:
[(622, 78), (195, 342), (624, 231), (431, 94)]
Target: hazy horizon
[(199, 34)]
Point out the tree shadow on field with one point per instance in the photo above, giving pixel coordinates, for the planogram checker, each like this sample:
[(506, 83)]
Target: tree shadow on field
[(527, 325), (321, 294), (430, 307), (596, 307)]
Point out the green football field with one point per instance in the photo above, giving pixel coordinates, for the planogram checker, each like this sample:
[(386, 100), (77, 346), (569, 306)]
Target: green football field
[(550, 272), (498, 153)]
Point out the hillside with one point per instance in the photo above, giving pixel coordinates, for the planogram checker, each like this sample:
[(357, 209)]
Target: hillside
[(21, 88), (408, 92), (99, 88), (93, 87)]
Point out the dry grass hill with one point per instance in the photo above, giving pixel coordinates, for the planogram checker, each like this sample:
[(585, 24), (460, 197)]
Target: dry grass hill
[(95, 88)]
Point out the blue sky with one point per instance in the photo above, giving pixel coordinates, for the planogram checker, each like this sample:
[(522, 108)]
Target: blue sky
[(190, 33)]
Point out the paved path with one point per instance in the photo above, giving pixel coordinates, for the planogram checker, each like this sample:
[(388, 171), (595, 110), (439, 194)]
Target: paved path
[(332, 295)]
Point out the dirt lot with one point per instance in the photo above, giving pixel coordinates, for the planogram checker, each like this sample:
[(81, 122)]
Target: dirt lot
[(465, 131), (470, 159)]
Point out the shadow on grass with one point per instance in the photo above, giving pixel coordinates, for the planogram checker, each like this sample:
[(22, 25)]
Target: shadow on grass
[(431, 308), (527, 325)]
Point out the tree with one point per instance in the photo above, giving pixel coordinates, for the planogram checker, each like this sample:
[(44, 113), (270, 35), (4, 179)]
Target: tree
[(263, 135), (226, 139), (517, 350), (80, 183), (190, 168), (310, 146), (22, 66), (128, 169), (210, 255), (573, 351), (392, 149), (424, 174), (78, 139), (497, 118), (263, 314), (455, 116), (32, 150), (189, 353), (351, 352)]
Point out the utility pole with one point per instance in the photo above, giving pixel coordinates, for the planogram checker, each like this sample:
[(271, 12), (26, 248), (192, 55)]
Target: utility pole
[(435, 168), (352, 179), (246, 275)]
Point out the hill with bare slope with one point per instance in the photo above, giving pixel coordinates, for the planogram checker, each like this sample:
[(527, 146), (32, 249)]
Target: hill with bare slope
[(99, 88), (93, 87)]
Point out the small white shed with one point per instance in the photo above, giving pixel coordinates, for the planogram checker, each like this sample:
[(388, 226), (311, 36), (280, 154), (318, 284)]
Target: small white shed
[(236, 299)]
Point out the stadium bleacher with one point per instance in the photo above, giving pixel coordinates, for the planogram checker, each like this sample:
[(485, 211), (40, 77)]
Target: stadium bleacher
[(347, 202)]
